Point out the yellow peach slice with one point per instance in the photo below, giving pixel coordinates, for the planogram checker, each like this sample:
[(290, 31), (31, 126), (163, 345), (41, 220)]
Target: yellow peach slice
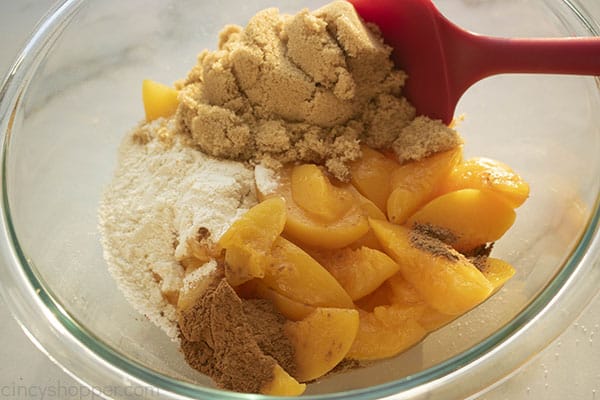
[(247, 243), (371, 176), (382, 296), (432, 319), (159, 100), (294, 274), (282, 384), (369, 208), (368, 240), (306, 228), (313, 192), (444, 278), (321, 340), (372, 211), (474, 216), (402, 203), (385, 332), (395, 313), (327, 236), (413, 184), (289, 308), (497, 271), (359, 271), (487, 174), (404, 294)]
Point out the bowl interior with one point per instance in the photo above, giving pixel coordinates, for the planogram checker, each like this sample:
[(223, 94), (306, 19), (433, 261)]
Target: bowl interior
[(85, 95)]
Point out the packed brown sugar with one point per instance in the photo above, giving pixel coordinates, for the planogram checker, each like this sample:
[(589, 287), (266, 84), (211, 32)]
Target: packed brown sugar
[(304, 88), (282, 92)]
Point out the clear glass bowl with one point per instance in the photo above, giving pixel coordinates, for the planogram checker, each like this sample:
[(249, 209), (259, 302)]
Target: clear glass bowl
[(75, 91)]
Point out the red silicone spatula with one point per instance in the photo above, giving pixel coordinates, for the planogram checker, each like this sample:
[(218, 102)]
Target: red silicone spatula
[(443, 61)]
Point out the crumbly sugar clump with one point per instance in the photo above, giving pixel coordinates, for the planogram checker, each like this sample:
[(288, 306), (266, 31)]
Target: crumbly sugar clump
[(302, 88), (423, 137)]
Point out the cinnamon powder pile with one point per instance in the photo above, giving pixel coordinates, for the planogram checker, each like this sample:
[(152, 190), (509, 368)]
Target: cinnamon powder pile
[(236, 342), (434, 240), (437, 241)]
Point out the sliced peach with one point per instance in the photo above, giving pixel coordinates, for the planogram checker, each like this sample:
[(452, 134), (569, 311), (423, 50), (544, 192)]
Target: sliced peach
[(404, 294), (372, 211), (487, 174), (359, 271), (385, 332), (427, 171), (297, 276), (369, 208), (290, 309), (368, 240), (308, 229), (247, 243), (282, 384), (402, 203), (371, 176), (321, 340), (413, 184), (432, 319), (497, 271), (382, 296), (313, 192), (444, 278), (159, 100), (399, 312), (398, 292), (474, 216)]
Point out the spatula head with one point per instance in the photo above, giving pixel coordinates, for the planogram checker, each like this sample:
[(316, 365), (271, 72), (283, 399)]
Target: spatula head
[(412, 28)]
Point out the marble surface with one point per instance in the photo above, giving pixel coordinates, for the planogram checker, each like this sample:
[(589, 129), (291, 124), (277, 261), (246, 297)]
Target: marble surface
[(568, 369)]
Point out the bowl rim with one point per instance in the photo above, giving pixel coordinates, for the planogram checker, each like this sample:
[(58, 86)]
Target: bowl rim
[(71, 346)]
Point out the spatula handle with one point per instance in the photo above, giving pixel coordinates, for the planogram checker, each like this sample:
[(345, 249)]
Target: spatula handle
[(490, 56)]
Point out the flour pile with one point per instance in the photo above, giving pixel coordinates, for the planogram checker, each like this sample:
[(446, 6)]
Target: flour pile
[(163, 193)]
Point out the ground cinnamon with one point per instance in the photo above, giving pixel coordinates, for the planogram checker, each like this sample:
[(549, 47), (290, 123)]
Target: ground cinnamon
[(428, 238), (236, 342), (438, 232), (266, 325), (479, 256)]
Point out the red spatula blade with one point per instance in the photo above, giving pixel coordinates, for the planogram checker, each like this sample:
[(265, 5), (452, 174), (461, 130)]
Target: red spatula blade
[(412, 31)]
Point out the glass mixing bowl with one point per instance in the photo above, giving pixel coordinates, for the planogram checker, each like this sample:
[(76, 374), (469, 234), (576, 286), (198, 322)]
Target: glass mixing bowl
[(75, 91)]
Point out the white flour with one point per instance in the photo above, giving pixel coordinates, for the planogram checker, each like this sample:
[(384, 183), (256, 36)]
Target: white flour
[(160, 196), (266, 179)]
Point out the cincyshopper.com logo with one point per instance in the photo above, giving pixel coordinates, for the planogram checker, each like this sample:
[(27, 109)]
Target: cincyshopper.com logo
[(62, 391)]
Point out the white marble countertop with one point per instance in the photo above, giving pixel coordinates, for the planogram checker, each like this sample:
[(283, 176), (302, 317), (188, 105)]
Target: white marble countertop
[(568, 369)]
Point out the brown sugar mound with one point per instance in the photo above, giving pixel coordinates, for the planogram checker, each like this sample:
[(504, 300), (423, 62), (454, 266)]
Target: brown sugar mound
[(236, 342), (305, 88)]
